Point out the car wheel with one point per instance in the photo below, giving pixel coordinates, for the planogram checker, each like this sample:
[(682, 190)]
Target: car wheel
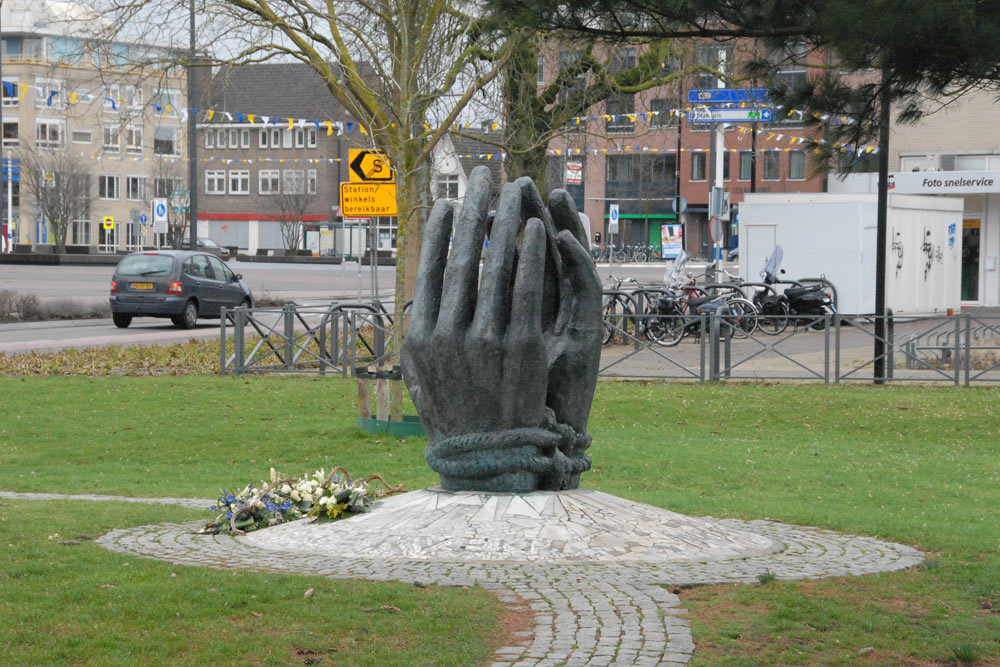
[(188, 318), (121, 320)]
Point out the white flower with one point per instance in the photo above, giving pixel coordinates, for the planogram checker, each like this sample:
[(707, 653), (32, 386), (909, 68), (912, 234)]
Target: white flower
[(274, 476), (285, 489), (307, 497), (324, 501), (295, 495)]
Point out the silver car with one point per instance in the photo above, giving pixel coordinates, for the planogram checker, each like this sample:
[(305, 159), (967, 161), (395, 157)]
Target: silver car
[(179, 284)]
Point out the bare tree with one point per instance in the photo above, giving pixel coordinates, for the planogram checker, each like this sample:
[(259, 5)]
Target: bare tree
[(60, 186), (291, 208)]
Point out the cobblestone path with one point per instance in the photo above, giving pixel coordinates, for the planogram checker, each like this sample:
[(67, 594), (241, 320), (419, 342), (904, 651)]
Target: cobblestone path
[(585, 614)]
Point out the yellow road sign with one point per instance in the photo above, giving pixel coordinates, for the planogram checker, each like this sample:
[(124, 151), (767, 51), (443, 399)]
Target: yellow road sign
[(367, 199), (367, 166), (109, 222)]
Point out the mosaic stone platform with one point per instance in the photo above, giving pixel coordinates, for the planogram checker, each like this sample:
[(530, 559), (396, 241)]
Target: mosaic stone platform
[(545, 526)]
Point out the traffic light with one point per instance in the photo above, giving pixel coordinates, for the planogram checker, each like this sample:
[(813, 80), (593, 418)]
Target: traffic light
[(597, 237)]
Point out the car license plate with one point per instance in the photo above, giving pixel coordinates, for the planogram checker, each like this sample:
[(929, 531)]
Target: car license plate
[(140, 285)]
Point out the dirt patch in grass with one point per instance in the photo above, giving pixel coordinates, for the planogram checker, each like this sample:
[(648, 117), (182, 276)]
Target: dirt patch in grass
[(516, 622)]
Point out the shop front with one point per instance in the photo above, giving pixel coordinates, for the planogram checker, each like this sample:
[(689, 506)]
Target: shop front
[(980, 237)]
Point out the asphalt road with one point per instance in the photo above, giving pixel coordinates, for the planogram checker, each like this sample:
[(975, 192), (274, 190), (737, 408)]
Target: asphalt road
[(87, 287)]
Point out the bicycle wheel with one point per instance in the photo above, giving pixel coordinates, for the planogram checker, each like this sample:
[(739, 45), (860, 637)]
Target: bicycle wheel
[(743, 317), (640, 256), (617, 313), (772, 319), (666, 330), (620, 256)]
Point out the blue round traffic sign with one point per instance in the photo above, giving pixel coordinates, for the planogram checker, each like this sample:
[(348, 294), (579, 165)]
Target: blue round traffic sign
[(161, 210), (143, 218)]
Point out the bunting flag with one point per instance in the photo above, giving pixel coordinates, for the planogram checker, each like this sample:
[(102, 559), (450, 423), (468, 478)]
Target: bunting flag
[(651, 118)]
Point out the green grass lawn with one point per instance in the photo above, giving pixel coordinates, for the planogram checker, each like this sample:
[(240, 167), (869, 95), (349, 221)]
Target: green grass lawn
[(911, 464)]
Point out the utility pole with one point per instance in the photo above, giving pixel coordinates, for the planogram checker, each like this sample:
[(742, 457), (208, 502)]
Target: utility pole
[(880, 243), (192, 138)]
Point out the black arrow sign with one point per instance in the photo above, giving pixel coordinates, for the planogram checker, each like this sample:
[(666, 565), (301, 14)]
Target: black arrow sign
[(371, 166)]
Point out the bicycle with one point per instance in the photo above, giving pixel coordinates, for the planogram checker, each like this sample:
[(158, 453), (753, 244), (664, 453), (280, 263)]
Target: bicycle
[(618, 309)]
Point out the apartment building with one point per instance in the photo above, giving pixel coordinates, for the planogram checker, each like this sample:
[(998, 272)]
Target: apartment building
[(272, 157), (641, 150), (97, 109)]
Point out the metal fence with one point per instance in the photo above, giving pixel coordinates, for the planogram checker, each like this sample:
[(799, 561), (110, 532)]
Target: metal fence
[(336, 339), (961, 350)]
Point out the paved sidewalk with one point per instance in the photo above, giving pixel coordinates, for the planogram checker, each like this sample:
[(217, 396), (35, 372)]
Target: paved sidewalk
[(586, 613)]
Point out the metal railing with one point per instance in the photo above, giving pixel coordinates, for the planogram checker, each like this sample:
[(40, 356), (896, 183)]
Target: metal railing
[(293, 339), (961, 350)]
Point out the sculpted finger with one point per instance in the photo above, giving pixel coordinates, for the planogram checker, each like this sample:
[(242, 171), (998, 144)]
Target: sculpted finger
[(565, 216), (525, 361), (461, 276), (584, 301), (433, 258), (532, 206), (493, 305)]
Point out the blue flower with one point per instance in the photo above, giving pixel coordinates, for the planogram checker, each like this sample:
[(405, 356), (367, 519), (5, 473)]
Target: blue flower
[(213, 508), (229, 515)]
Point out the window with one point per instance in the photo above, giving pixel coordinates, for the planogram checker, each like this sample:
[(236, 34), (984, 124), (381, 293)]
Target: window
[(293, 181), (11, 90), (111, 141), (618, 107), (661, 117), (239, 182), (268, 183), (10, 134), (275, 138), (796, 165), (164, 187), (49, 134), (790, 64), (108, 186), (244, 138), (619, 168), (50, 93), (262, 139), (133, 97), (209, 138), (198, 267), (311, 137), (725, 165), (133, 139), (286, 139), (165, 141), (215, 182), (746, 165), (623, 59), (656, 168), (111, 96), (300, 137), (698, 161), (311, 181), (713, 56), (220, 138), (82, 137), (167, 102), (234, 138), (221, 271), (81, 232), (447, 186), (540, 69), (135, 188), (772, 162)]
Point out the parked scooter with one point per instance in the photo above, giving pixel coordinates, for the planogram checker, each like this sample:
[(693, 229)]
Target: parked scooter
[(806, 300)]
